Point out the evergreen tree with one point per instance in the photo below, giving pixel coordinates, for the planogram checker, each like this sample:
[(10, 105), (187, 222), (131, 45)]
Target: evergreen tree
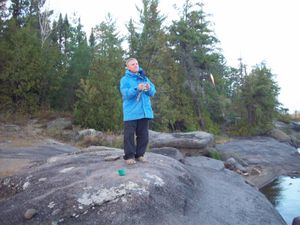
[(78, 65), (19, 9), (133, 39), (74, 60), (92, 41), (99, 104), (257, 102), (195, 48), (51, 75), (149, 46), (62, 34), (28, 67), (21, 74), (172, 106), (151, 39)]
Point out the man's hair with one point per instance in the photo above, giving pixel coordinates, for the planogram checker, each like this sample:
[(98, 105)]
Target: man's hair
[(128, 60)]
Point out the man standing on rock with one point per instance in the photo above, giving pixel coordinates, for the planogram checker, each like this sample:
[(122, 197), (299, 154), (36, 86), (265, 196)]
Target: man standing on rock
[(136, 90)]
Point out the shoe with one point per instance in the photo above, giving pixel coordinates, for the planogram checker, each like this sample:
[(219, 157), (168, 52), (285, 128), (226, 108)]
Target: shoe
[(130, 161), (141, 159)]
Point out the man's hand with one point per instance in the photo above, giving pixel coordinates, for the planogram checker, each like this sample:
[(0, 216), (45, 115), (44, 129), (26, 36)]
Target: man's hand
[(141, 86), (147, 86), (144, 87)]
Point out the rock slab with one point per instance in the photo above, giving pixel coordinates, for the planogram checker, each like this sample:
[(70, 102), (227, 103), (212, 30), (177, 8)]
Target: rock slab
[(83, 188)]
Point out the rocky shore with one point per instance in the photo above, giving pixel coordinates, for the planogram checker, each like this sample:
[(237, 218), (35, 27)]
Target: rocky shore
[(46, 181)]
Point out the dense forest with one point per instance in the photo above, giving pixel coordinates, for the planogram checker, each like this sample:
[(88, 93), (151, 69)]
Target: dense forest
[(50, 64)]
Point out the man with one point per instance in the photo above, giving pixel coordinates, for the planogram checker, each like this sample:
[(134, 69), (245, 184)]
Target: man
[(136, 90)]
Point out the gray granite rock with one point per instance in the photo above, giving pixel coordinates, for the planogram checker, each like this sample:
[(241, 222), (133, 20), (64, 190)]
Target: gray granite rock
[(189, 143), (83, 188), (274, 158)]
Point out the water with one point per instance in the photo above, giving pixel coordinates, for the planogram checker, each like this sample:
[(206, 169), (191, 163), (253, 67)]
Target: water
[(284, 194)]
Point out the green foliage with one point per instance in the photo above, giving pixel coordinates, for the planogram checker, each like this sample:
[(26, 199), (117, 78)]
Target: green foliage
[(21, 69), (209, 124), (91, 110), (151, 39), (68, 73), (257, 102), (52, 73), (297, 135), (286, 118), (243, 129), (78, 68), (99, 100), (283, 115), (215, 155), (195, 49), (99, 104)]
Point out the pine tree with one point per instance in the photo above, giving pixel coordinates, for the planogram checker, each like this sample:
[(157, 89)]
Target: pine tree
[(149, 46), (92, 41), (22, 58), (151, 39), (195, 48), (78, 65), (99, 104), (133, 39), (19, 10), (171, 104), (21, 74), (257, 102)]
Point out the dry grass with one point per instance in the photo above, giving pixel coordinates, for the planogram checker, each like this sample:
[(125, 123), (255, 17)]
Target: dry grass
[(47, 115), (109, 140), (9, 167), (17, 119), (23, 118), (221, 139), (27, 130)]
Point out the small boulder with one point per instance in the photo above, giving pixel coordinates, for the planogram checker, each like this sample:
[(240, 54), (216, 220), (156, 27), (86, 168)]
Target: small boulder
[(88, 132), (232, 164), (30, 213), (280, 135), (189, 143), (60, 123)]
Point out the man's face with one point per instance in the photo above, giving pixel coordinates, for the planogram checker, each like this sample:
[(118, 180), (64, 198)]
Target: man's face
[(133, 66)]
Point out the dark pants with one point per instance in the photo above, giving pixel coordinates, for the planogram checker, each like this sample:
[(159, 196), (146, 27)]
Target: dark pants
[(140, 129)]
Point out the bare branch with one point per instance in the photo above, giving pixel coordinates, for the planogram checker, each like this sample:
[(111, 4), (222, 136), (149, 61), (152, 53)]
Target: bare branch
[(44, 23), (44, 20)]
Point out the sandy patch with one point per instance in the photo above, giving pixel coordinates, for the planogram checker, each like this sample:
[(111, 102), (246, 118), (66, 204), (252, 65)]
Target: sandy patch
[(9, 167)]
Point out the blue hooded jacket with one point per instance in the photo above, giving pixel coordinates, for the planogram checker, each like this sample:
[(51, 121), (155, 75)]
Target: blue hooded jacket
[(136, 104)]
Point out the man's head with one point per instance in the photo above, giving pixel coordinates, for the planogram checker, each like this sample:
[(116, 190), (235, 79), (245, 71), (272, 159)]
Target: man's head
[(132, 65)]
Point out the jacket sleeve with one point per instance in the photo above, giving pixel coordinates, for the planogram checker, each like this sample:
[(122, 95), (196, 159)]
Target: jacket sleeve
[(127, 91)]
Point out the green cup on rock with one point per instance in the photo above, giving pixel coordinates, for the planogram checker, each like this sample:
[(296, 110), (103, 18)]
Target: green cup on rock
[(122, 172)]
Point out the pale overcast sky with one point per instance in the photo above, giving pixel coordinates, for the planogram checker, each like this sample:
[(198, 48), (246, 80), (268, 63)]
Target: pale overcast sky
[(255, 30)]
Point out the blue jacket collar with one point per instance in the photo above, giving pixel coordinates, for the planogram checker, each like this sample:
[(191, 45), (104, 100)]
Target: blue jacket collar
[(135, 75)]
